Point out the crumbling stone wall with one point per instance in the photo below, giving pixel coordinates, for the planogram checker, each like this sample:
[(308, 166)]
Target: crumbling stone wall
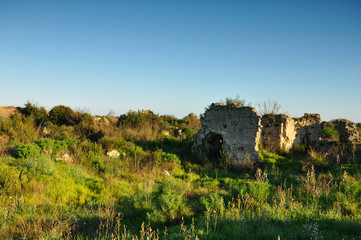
[(282, 131), (308, 129), (239, 131), (236, 131), (348, 131), (278, 131)]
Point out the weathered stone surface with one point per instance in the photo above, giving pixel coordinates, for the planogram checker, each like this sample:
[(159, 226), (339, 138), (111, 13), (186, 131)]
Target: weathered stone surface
[(239, 131), (282, 131), (235, 131), (348, 131), (308, 129), (278, 131)]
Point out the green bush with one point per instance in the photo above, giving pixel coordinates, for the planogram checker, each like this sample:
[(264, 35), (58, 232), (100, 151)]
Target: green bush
[(19, 128), (39, 114), (213, 203), (28, 151), (62, 115), (188, 133), (235, 102), (91, 149), (54, 147), (169, 200), (136, 119), (170, 157), (329, 130), (9, 180), (109, 144), (192, 121), (259, 190), (97, 163), (37, 167)]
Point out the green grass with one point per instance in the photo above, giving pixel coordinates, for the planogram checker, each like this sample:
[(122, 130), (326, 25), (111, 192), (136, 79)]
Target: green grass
[(68, 188)]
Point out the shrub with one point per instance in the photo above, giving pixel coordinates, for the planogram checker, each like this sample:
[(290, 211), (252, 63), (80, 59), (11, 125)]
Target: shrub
[(91, 149), (136, 119), (169, 200), (329, 131), (46, 144), (113, 143), (235, 102), (259, 190), (192, 121), (316, 159), (170, 157), (9, 180), (37, 167), (62, 115), (213, 203), (97, 163), (87, 128), (188, 133), (28, 151), (39, 114), (20, 128), (4, 141)]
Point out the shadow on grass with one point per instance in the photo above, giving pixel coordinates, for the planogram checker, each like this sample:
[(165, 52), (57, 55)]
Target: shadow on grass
[(182, 148)]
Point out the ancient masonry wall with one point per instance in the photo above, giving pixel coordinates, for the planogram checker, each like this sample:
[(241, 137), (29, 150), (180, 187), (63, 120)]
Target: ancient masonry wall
[(348, 131), (239, 131), (236, 131), (308, 129), (278, 131), (282, 131)]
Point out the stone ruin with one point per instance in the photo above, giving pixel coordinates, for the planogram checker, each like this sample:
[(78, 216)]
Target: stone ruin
[(347, 130), (282, 131), (239, 132), (235, 131)]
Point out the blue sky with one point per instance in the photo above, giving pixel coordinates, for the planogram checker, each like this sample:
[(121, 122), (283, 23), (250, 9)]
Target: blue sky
[(177, 57)]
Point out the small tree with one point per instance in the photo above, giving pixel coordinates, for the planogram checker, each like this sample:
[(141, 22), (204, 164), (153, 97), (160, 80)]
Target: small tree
[(62, 115), (38, 113), (269, 107)]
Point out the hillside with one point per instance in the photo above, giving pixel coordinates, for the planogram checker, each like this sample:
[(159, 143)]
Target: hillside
[(70, 175), (7, 111)]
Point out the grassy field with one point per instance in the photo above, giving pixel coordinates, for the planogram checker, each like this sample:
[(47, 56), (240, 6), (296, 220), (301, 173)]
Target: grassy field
[(61, 183)]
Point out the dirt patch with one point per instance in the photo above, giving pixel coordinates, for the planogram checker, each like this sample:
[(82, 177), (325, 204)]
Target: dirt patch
[(8, 111)]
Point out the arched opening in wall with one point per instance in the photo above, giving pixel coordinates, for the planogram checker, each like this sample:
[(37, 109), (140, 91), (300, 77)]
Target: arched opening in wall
[(212, 147)]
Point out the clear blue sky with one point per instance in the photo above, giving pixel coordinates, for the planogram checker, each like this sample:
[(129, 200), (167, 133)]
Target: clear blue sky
[(177, 57)]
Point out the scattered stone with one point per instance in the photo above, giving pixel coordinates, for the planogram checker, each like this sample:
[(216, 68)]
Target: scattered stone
[(113, 153), (65, 158)]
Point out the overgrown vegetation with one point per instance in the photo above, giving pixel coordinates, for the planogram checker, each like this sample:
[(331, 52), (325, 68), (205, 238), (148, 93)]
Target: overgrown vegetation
[(329, 131), (235, 102), (69, 175)]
